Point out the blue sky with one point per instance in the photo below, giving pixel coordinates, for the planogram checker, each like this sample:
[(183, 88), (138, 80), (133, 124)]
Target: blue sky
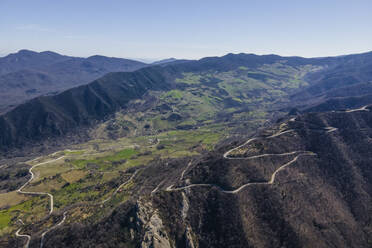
[(155, 29)]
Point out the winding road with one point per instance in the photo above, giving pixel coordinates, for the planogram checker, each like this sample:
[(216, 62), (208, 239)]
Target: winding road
[(33, 177), (226, 156), (101, 203), (36, 193), (273, 176), (20, 190), (235, 191), (120, 186), (156, 188), (364, 108), (51, 208), (28, 237), (52, 228)]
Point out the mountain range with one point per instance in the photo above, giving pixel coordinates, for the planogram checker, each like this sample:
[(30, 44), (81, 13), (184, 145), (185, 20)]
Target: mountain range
[(26, 74), (329, 79)]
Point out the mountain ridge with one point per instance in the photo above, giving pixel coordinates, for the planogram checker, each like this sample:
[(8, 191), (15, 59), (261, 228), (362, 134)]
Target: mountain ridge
[(49, 73)]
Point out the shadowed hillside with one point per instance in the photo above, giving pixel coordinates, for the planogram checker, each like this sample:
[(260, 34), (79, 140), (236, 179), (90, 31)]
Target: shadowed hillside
[(341, 84), (27, 74), (56, 115)]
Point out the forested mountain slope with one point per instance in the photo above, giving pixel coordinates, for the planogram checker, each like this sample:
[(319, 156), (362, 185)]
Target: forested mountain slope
[(27, 74)]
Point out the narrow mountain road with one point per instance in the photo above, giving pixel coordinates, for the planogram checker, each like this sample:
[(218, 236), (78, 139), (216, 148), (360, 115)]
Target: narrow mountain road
[(273, 176), (52, 154), (20, 191), (52, 228), (266, 155), (28, 237), (100, 203), (157, 188), (280, 133), (184, 171), (235, 191), (330, 129), (226, 154), (120, 186), (364, 108)]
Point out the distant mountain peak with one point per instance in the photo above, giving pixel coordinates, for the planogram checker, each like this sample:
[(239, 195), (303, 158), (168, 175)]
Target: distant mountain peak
[(96, 57), (26, 51), (23, 53), (164, 61), (50, 53)]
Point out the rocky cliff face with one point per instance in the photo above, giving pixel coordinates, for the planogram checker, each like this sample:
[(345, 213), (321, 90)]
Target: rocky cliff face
[(152, 226)]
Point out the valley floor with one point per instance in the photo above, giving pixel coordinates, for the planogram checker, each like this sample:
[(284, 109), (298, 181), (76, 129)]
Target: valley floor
[(65, 186)]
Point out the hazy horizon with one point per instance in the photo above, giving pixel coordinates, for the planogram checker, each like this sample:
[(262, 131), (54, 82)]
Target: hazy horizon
[(186, 29), (151, 60)]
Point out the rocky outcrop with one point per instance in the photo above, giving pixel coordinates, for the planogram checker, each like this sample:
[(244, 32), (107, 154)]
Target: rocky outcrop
[(149, 221), (184, 213)]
